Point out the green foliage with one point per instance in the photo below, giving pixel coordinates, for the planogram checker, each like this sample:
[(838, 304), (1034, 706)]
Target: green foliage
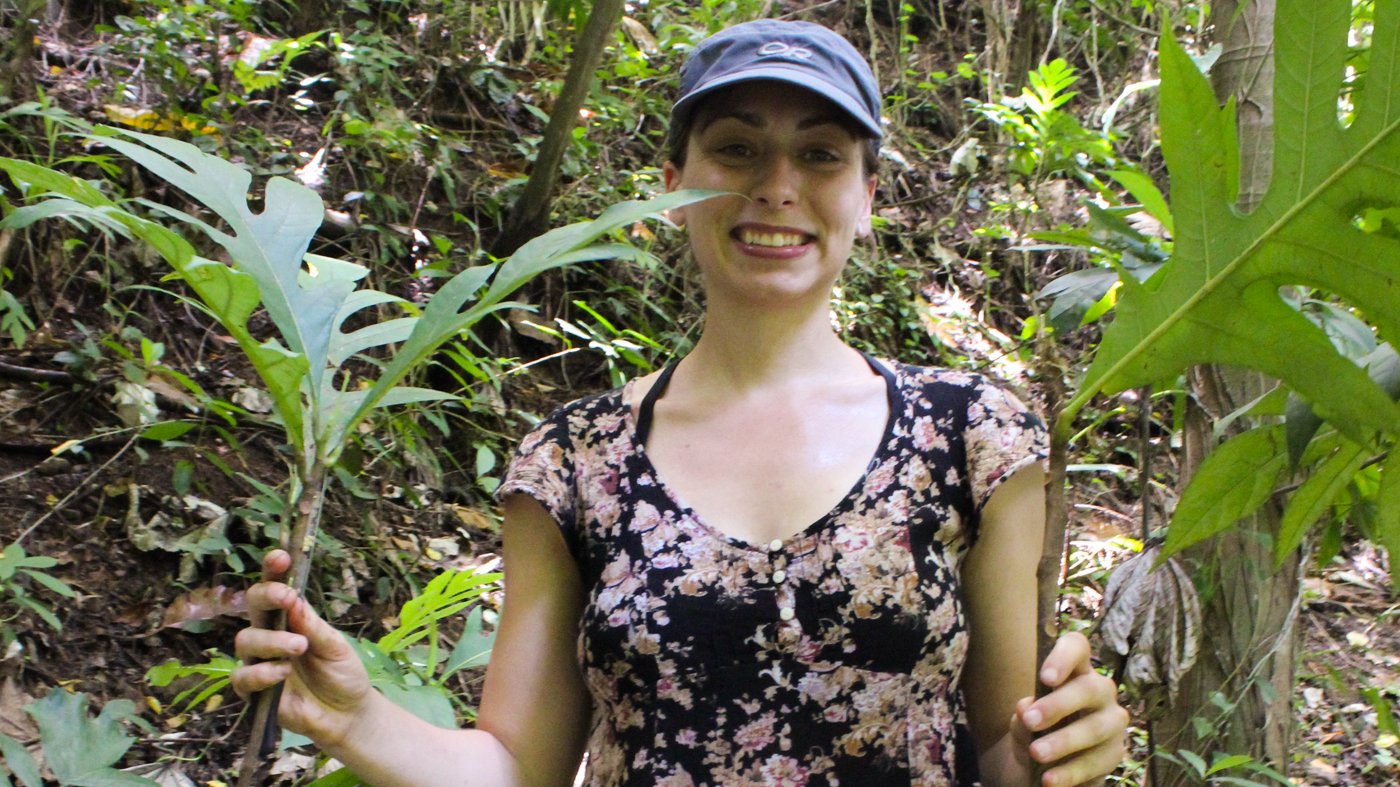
[(413, 674), (1218, 299), (1044, 139), (1233, 481), (1082, 297), (13, 320), (309, 304), (15, 562), (1218, 771), (449, 593), (211, 677), (78, 749)]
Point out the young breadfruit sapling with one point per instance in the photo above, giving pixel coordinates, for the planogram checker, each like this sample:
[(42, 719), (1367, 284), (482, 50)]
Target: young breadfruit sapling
[(308, 298)]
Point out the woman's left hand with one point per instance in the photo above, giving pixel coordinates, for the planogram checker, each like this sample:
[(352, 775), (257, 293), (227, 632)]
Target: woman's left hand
[(1091, 742)]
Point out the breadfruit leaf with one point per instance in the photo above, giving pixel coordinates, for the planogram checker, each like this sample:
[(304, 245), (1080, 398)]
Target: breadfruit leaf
[(270, 246), (1232, 482), (230, 294), (79, 749), (1218, 301)]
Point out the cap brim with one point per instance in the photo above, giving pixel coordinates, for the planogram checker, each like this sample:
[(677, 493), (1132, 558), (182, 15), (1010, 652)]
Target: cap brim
[(853, 106)]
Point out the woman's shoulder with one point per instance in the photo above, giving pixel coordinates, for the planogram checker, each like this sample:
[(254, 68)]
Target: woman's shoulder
[(573, 419), (917, 377), (979, 393)]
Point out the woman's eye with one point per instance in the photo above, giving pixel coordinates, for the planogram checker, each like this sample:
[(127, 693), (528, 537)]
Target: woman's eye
[(737, 149), (822, 156)]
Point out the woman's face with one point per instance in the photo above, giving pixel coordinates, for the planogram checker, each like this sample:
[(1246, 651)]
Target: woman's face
[(805, 195)]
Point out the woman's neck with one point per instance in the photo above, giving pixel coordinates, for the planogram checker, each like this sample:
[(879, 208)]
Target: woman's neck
[(743, 348)]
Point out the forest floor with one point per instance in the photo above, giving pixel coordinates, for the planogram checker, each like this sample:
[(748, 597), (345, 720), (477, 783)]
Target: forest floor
[(132, 611)]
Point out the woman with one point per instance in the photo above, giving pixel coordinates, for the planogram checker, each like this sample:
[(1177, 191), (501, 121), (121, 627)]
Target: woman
[(856, 549)]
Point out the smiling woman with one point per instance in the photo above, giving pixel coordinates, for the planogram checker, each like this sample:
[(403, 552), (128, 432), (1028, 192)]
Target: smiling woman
[(777, 562)]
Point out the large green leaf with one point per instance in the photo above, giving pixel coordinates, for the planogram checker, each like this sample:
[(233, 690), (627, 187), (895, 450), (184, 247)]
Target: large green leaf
[(270, 246), (1388, 513), (230, 294), (81, 750), (1322, 489), (1217, 301), (1231, 483)]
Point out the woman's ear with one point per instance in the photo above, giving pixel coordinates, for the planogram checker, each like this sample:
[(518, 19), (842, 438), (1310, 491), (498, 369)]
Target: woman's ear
[(671, 176), (863, 228)]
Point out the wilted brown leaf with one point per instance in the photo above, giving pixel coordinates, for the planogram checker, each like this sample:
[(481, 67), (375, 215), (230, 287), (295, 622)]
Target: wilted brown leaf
[(1153, 618), (14, 722), (205, 604)]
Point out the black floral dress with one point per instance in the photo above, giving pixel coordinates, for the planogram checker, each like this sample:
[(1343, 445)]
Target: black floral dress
[(830, 658)]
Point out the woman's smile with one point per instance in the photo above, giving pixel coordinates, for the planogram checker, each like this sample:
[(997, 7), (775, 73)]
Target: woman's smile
[(774, 243)]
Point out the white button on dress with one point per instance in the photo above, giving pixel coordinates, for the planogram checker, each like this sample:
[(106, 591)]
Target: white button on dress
[(776, 546), (786, 613)]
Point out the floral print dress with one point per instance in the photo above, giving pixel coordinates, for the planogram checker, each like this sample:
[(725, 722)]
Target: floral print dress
[(830, 659)]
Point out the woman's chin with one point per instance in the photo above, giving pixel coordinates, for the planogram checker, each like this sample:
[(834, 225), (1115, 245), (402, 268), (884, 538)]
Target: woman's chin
[(773, 289)]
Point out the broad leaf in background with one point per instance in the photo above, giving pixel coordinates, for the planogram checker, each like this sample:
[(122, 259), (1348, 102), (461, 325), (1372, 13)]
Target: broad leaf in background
[(473, 649), (1083, 296), (1233, 481), (269, 246), (1218, 300), (81, 750)]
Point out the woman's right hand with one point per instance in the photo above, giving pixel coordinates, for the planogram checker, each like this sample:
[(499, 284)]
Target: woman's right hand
[(327, 689)]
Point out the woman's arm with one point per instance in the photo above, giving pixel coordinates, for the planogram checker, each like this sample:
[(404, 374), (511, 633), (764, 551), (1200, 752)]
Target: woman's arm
[(532, 723), (999, 594), (535, 702), (999, 677)]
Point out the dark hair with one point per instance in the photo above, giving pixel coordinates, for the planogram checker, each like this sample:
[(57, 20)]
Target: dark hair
[(678, 137)]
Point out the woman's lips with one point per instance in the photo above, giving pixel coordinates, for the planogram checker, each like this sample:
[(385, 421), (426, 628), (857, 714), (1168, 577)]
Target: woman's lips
[(773, 243)]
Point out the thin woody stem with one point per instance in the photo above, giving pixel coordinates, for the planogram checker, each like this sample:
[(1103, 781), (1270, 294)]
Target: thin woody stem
[(299, 543)]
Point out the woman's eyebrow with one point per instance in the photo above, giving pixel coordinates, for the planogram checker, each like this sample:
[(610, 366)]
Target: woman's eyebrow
[(820, 120), (747, 118)]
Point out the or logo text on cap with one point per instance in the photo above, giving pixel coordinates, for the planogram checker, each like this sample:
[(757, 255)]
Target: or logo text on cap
[(780, 49)]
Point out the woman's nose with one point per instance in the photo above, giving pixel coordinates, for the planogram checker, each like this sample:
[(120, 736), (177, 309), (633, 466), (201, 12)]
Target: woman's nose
[(776, 183)]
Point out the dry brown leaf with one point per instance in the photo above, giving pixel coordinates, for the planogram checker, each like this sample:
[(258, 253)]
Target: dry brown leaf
[(14, 722), (640, 35), (1153, 617), (206, 604), (1119, 609)]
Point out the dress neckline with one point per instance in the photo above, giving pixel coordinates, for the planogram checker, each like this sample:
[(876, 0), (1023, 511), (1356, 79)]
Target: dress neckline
[(640, 429)]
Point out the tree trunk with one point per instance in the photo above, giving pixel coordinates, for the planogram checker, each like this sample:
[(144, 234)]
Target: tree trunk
[(20, 54), (529, 217), (1245, 70), (1248, 643), (1027, 41)]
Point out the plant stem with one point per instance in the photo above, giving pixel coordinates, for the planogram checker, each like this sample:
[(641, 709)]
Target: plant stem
[(1047, 574), (1052, 551), (301, 540), (1145, 456)]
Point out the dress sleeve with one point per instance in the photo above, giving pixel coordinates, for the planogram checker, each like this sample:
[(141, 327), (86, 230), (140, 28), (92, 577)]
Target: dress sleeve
[(1002, 436), (543, 468)]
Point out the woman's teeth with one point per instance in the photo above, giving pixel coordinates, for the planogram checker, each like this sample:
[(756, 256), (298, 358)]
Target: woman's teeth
[(769, 238)]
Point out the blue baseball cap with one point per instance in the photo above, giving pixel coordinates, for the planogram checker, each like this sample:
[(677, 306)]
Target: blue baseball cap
[(799, 53)]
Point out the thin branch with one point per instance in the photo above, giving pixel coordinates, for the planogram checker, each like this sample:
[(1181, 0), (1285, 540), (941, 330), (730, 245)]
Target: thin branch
[(29, 375), (60, 504)]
